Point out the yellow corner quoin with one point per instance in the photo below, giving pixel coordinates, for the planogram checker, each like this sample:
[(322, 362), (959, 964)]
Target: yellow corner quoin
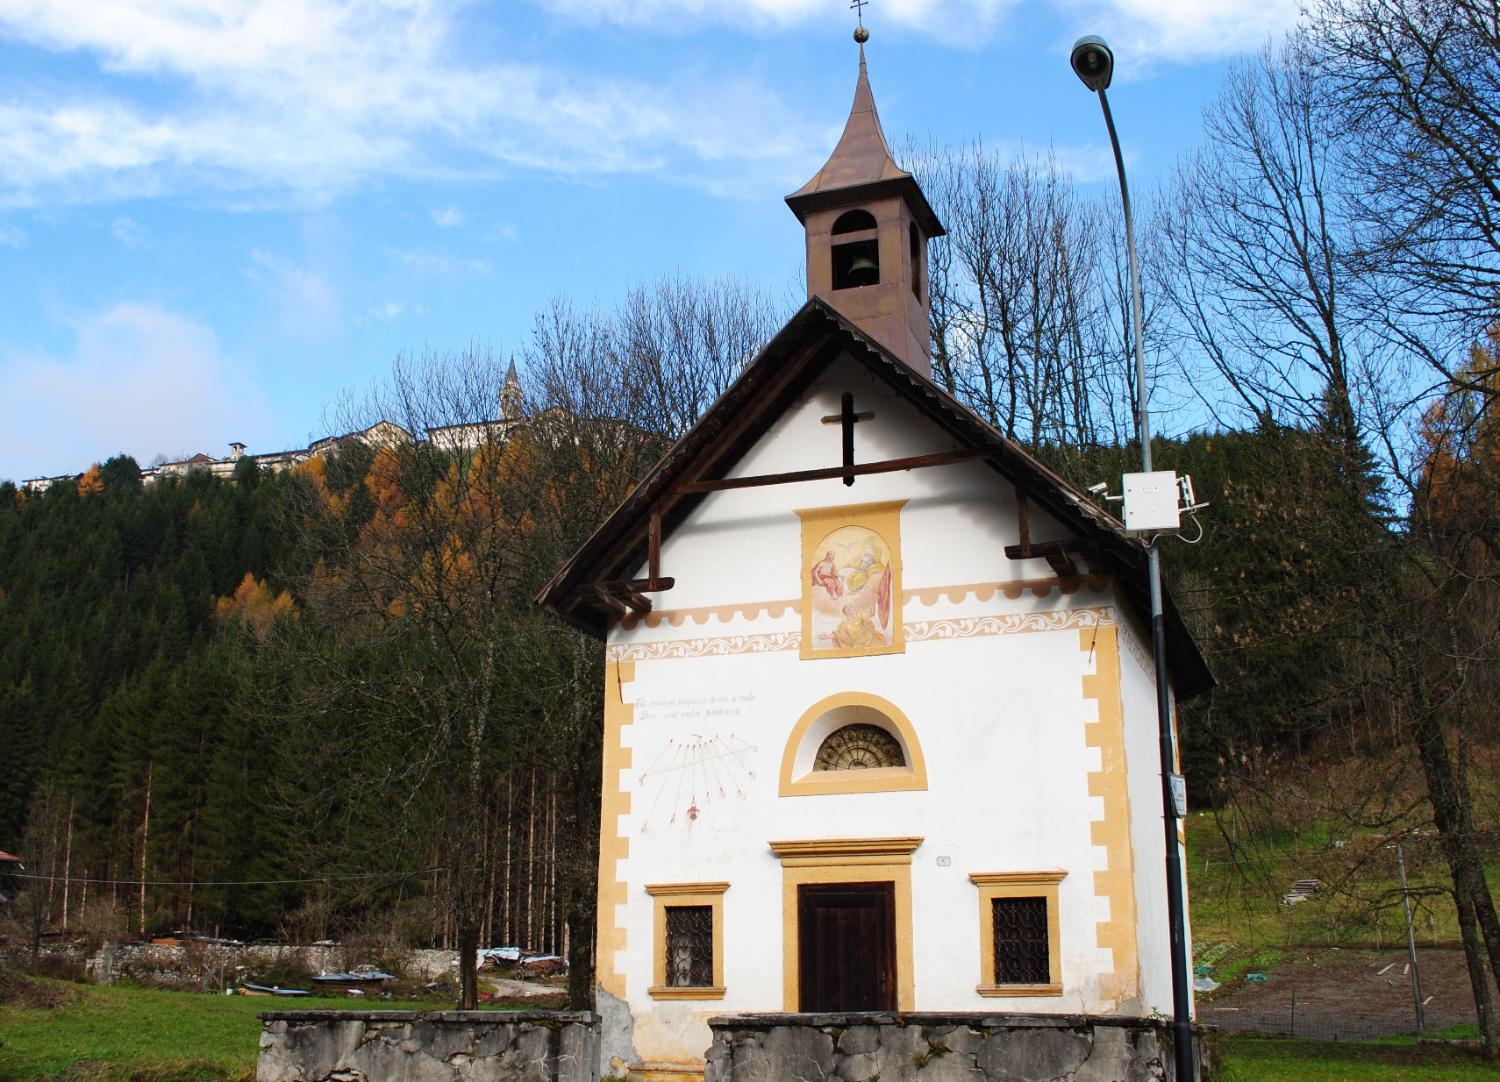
[(909, 778), (994, 885), (846, 860), (820, 524), (1116, 880), (672, 894), (614, 805)]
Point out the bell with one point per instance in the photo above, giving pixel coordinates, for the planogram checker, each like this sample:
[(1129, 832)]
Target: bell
[(864, 271)]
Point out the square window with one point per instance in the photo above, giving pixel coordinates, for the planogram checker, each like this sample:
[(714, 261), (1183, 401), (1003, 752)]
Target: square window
[(1019, 953), (689, 940)]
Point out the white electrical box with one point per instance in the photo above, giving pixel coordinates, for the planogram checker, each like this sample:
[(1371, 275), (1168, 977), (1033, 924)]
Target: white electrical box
[(1151, 501)]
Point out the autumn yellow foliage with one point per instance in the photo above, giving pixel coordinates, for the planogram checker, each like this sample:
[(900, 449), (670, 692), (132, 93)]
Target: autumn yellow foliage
[(91, 482), (253, 605)]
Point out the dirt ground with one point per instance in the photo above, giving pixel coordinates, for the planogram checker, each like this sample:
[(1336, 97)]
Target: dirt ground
[(1333, 994)]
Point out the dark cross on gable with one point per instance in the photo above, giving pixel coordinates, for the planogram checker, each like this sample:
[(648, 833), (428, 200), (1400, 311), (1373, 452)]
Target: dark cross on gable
[(848, 419)]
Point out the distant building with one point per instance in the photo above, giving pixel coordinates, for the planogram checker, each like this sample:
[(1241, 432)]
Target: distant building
[(457, 437)]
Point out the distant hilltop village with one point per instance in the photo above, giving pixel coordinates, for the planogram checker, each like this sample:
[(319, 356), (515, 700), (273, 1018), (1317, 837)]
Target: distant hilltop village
[(381, 434)]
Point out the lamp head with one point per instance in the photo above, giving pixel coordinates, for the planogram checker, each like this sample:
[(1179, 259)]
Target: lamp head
[(1093, 62)]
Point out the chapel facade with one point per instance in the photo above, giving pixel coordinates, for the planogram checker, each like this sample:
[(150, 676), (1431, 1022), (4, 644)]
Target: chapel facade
[(880, 715)]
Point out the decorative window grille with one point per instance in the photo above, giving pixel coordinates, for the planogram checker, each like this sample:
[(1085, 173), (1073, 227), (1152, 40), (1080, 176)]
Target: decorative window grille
[(690, 946), (858, 747), (1021, 949)]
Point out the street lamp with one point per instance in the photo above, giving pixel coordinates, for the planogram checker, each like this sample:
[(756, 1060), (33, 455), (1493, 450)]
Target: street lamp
[(1094, 64)]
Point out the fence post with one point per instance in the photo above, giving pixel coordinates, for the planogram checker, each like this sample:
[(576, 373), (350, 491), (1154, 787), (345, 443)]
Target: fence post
[(1411, 942), (1294, 1010)]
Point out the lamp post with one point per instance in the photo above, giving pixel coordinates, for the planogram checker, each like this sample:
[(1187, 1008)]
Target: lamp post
[(1095, 64)]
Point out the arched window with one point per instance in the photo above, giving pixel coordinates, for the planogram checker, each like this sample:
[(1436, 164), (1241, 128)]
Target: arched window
[(858, 747), (853, 221), (916, 261), (852, 742)]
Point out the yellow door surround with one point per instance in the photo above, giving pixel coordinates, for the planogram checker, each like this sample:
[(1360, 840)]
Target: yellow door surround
[(846, 860)]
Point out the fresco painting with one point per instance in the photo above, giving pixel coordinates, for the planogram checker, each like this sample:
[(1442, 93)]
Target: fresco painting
[(850, 587)]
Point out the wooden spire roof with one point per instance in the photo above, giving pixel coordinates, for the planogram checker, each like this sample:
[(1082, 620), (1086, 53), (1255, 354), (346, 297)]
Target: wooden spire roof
[(861, 166)]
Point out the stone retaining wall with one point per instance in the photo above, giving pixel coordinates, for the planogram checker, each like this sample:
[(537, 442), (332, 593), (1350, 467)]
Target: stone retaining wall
[(209, 966), (429, 1046), (940, 1048)]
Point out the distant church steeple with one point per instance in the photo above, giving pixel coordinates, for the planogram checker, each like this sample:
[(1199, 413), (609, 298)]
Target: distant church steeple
[(510, 394), (868, 225)]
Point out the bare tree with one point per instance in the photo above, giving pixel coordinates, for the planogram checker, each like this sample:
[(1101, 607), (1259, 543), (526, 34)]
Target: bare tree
[(402, 656), (1260, 233), (1029, 298), (1418, 86), (1278, 292)]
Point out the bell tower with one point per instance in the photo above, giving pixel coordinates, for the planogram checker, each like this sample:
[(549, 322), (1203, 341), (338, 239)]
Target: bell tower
[(868, 225)]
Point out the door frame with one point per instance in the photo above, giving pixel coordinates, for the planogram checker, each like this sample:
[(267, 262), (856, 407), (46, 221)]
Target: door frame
[(846, 860)]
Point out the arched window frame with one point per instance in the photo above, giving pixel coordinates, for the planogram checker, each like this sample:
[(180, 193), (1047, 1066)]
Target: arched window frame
[(798, 778)]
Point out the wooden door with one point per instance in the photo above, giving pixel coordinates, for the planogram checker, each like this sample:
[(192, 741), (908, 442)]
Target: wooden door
[(847, 947)]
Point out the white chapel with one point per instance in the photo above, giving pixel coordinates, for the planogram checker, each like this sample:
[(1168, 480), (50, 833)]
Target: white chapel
[(880, 720)]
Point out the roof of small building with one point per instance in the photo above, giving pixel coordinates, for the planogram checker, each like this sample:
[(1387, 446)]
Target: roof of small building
[(812, 340)]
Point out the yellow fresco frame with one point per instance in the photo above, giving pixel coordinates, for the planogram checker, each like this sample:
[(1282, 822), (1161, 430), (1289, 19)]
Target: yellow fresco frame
[(883, 518)]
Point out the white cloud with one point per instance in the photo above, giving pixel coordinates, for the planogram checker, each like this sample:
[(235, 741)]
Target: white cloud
[(1149, 30), (139, 379), (955, 21), (11, 236), (437, 264), (384, 313), (1142, 32), (305, 99), (447, 217), (129, 232)]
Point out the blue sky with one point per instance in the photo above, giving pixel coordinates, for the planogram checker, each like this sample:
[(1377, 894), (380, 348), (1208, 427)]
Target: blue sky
[(218, 215)]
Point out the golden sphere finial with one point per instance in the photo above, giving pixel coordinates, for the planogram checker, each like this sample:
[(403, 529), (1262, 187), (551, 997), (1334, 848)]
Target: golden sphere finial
[(861, 34)]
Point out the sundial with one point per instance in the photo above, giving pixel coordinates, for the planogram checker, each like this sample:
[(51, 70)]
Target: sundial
[(693, 778)]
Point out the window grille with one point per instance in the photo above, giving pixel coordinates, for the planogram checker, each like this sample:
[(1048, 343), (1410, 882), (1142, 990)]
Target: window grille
[(1021, 950), (690, 946), (857, 747)]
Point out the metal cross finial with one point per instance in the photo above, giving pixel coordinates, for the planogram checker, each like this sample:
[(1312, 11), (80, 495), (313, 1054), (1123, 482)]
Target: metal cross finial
[(859, 9)]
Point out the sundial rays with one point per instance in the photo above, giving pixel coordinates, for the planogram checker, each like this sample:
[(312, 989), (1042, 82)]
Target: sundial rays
[(688, 777)]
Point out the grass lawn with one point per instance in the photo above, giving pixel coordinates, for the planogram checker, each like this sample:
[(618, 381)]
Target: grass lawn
[(1269, 1059), (148, 1035)]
